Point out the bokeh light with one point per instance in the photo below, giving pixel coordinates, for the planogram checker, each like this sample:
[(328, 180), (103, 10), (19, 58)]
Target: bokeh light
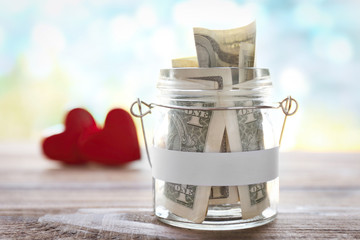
[(57, 55)]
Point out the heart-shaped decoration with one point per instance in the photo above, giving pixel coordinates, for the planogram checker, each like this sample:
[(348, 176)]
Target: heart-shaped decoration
[(115, 144), (64, 146)]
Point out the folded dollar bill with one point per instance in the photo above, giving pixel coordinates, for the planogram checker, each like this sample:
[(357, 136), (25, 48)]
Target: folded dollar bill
[(236, 48), (220, 48), (185, 62)]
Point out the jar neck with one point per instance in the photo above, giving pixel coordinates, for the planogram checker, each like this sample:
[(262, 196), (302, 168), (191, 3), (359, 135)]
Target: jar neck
[(218, 85)]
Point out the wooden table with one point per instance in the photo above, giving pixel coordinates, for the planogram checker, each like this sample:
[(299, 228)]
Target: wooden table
[(40, 199)]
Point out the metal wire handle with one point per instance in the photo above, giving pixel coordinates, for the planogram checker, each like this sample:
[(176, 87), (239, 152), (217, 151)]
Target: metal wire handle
[(285, 105)]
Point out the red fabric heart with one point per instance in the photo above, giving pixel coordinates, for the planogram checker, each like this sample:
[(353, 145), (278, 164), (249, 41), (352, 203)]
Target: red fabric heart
[(116, 144), (64, 146)]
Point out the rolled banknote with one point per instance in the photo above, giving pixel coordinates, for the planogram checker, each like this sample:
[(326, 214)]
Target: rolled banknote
[(195, 78), (194, 131), (199, 79), (236, 48), (246, 134), (223, 194), (220, 48), (191, 131), (247, 55), (185, 62)]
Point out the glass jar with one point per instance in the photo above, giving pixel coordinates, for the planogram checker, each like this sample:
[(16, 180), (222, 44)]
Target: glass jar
[(215, 149)]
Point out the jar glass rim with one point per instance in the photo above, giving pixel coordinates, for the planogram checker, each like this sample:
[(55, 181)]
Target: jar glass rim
[(183, 68), (222, 78)]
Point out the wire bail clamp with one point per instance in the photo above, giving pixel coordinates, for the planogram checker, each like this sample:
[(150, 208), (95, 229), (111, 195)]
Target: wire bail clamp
[(285, 105)]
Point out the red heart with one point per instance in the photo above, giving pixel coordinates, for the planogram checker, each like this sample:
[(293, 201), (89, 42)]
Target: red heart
[(117, 143), (64, 146)]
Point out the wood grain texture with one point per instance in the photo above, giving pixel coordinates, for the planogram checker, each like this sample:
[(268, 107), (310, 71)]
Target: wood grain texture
[(40, 199)]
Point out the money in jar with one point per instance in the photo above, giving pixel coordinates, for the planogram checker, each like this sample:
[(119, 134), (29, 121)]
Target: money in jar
[(215, 150)]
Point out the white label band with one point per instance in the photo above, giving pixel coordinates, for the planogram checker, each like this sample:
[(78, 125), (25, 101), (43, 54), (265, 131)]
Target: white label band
[(215, 169)]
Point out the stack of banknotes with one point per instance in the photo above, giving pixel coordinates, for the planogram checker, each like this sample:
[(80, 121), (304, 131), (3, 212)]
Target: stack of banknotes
[(216, 131)]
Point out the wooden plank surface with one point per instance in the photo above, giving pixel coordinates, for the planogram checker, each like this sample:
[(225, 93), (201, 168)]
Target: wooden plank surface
[(40, 199)]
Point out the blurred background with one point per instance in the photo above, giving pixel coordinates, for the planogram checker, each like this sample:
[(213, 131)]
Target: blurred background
[(57, 55)]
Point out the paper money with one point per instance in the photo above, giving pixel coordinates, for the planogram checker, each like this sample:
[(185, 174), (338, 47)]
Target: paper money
[(210, 79), (224, 194), (236, 48), (254, 198), (192, 131), (247, 55), (220, 48), (186, 201), (246, 130), (222, 78), (185, 62), (201, 78), (195, 131), (215, 131), (226, 48), (247, 135)]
